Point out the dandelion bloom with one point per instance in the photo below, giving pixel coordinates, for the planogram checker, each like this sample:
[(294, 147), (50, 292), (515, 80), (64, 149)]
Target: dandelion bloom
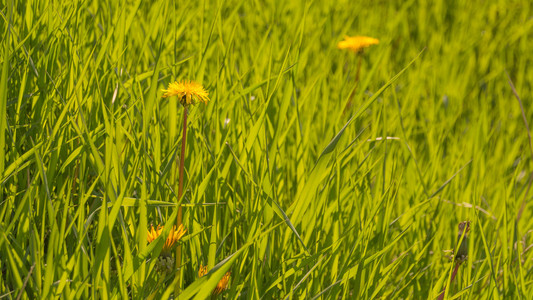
[(357, 43), (202, 271), (221, 285), (188, 92), (174, 236)]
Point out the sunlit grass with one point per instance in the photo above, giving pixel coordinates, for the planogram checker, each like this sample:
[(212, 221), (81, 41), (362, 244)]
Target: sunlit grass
[(299, 180)]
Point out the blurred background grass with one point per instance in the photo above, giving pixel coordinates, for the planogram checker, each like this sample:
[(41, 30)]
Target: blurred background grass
[(83, 127)]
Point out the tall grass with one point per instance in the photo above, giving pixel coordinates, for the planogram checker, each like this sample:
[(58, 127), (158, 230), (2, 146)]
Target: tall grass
[(294, 195)]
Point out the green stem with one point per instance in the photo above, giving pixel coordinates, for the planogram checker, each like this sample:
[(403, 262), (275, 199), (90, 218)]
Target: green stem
[(180, 194)]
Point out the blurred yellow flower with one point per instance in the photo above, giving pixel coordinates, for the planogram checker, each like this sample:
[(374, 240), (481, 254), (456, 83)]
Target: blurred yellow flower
[(188, 92), (202, 271), (173, 237), (221, 285), (357, 43)]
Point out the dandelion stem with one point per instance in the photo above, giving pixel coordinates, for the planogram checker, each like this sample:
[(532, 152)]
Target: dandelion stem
[(180, 194), (156, 290), (441, 296), (352, 94), (358, 70)]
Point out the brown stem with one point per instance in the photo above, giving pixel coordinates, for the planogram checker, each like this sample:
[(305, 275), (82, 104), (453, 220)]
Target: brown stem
[(451, 280), (358, 70), (180, 194), (352, 94)]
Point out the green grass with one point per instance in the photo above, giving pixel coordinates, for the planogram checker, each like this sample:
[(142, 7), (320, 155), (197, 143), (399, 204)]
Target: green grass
[(296, 196)]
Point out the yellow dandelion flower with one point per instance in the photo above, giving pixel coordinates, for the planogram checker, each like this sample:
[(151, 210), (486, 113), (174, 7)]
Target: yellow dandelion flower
[(188, 92), (173, 237), (202, 271), (221, 285), (357, 43)]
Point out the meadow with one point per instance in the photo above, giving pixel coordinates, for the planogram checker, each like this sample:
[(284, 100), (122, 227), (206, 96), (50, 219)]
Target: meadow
[(312, 172)]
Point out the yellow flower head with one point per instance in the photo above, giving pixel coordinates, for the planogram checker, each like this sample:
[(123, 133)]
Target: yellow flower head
[(221, 285), (202, 271), (173, 237), (357, 43), (188, 92)]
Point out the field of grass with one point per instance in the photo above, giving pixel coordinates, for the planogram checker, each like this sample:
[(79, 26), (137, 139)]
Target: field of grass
[(299, 179)]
